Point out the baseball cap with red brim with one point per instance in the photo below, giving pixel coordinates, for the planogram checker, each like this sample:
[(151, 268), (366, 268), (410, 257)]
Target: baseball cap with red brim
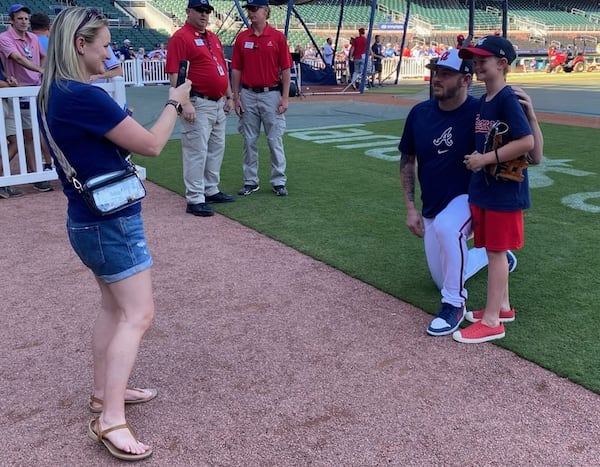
[(451, 61), (490, 46)]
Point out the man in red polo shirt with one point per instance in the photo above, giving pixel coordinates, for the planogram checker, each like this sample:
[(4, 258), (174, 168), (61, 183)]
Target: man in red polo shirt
[(359, 53), (204, 117), (260, 80)]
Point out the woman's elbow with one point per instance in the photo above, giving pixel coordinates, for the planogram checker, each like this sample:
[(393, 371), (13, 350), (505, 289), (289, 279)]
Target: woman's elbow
[(149, 150), (154, 152)]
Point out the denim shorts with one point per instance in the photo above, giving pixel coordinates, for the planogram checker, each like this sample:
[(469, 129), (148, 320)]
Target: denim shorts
[(113, 249)]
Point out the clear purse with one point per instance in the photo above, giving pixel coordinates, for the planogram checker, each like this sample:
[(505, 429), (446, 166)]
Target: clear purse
[(107, 193), (111, 192)]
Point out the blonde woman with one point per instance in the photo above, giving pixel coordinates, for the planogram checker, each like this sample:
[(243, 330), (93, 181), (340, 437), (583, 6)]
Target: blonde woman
[(90, 128)]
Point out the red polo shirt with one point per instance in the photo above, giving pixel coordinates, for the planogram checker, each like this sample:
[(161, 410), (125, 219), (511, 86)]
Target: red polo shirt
[(360, 47), (261, 58), (208, 70)]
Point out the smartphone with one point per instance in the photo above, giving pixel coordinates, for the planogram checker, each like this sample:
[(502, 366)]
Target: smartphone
[(184, 66)]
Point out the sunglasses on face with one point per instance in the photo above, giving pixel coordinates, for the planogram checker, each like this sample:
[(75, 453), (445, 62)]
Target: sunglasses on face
[(204, 10), (252, 8)]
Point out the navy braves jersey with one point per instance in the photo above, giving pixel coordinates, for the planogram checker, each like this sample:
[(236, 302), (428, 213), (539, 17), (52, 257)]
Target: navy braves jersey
[(440, 140), (485, 191)]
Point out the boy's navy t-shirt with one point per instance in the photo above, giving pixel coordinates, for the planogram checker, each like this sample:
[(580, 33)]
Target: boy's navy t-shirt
[(485, 191)]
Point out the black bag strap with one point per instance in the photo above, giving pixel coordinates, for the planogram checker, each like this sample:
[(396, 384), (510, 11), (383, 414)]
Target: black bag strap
[(67, 168)]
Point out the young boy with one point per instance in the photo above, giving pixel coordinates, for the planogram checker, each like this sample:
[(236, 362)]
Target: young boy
[(496, 204)]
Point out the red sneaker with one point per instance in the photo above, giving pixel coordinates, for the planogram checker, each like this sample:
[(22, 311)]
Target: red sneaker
[(478, 332), (505, 316)]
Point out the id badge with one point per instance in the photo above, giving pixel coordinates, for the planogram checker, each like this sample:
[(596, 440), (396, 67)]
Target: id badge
[(220, 70), (248, 45)]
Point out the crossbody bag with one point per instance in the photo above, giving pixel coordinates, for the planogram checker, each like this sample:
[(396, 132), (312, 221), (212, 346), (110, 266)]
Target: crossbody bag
[(104, 194)]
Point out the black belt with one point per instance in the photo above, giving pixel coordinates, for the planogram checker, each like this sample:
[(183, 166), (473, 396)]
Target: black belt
[(202, 96), (260, 89)]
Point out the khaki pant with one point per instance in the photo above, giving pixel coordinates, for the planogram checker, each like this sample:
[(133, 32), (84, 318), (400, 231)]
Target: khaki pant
[(262, 108), (203, 147)]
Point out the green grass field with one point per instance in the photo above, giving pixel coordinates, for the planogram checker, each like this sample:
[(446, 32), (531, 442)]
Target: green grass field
[(345, 208)]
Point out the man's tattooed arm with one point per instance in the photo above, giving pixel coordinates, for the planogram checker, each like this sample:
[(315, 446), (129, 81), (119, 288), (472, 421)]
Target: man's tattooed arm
[(408, 175)]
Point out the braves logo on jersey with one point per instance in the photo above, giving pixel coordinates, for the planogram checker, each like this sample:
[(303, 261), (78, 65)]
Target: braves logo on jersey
[(445, 139)]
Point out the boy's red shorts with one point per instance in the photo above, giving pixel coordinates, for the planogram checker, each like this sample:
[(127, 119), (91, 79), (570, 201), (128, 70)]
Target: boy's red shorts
[(497, 230)]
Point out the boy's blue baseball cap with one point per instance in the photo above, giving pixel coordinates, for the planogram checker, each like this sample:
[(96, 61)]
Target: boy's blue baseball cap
[(490, 46)]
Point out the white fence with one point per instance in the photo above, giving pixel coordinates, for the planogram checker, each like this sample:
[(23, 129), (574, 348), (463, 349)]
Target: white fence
[(135, 73), (16, 173), (141, 73), (411, 68)]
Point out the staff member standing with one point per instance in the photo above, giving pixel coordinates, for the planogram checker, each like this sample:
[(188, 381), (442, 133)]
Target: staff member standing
[(260, 79), (203, 119)]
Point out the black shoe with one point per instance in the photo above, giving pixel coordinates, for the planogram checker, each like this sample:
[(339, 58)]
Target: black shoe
[(219, 198), (248, 190), (43, 186), (10, 192), (280, 190), (200, 209)]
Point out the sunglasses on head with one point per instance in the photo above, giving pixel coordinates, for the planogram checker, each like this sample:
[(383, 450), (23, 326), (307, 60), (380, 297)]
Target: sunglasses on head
[(90, 13)]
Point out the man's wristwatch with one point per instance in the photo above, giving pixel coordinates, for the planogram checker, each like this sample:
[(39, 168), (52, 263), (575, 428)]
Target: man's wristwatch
[(175, 104)]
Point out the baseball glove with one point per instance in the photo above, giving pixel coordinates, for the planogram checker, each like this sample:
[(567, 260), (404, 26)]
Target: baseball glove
[(508, 170)]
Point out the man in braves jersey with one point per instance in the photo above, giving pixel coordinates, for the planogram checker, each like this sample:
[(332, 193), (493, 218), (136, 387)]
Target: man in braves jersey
[(204, 117), (260, 78), (437, 134)]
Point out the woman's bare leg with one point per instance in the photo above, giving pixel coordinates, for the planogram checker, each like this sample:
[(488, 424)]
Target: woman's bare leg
[(127, 311)]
